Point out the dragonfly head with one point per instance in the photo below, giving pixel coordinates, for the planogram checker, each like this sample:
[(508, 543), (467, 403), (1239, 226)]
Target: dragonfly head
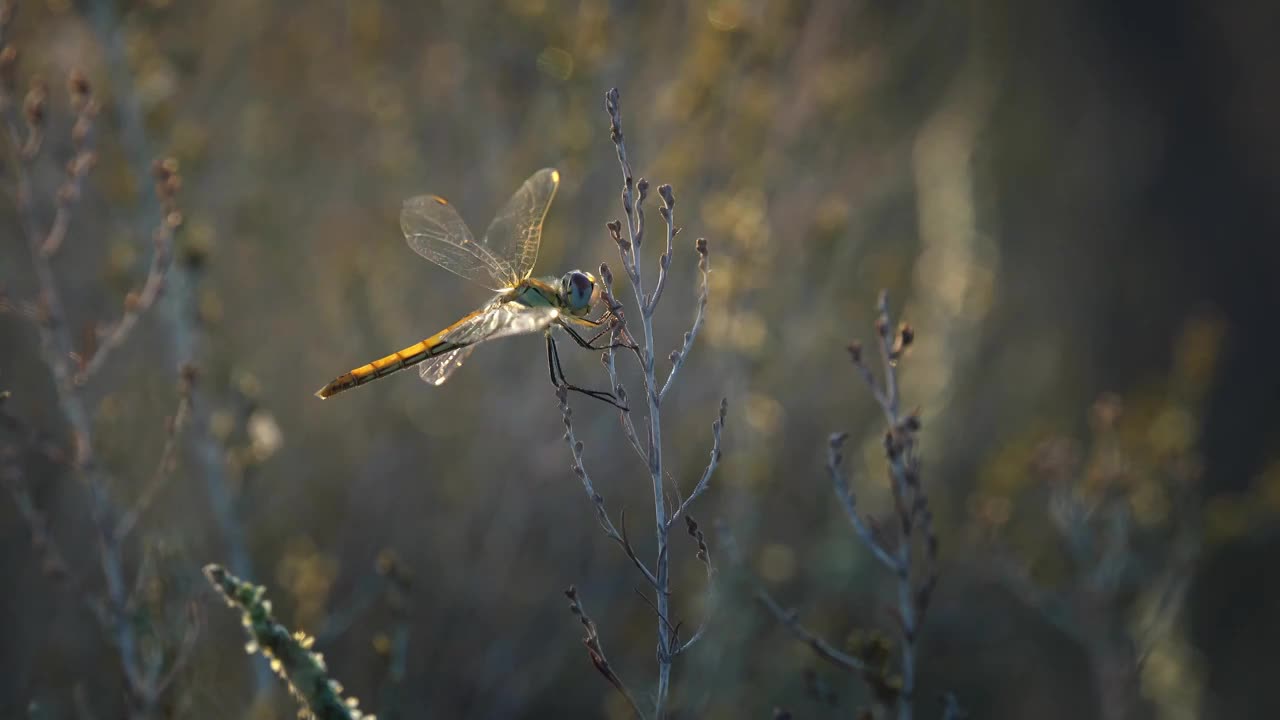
[(579, 291)]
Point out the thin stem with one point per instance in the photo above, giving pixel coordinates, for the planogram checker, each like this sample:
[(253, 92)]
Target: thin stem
[(162, 473), (704, 554), (888, 355), (56, 346), (138, 303), (712, 463), (835, 461), (602, 515), (595, 650), (635, 233), (790, 619), (678, 356)]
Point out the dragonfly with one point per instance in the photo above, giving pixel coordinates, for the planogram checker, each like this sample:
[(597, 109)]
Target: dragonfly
[(503, 263)]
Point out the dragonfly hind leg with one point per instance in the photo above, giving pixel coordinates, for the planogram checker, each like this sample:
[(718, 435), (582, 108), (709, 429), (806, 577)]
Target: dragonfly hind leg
[(558, 379)]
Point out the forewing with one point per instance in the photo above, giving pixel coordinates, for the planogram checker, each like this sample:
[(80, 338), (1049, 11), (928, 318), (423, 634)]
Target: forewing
[(436, 232), (516, 232), (438, 369)]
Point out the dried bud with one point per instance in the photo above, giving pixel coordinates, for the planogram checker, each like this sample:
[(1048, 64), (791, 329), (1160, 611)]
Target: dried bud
[(667, 197), (912, 422), (78, 86), (606, 274), (132, 301), (189, 373), (34, 105), (615, 230), (891, 446), (701, 245), (9, 67), (855, 352), (907, 333), (674, 357), (643, 187)]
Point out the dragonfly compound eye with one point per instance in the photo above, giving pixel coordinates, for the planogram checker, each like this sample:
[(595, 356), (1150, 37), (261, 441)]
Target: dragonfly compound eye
[(578, 289)]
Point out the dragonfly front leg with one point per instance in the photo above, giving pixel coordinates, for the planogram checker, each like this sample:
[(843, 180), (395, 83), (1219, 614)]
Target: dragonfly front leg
[(558, 379), (590, 344)]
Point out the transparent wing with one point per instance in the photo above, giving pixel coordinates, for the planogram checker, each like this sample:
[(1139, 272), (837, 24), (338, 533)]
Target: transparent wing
[(499, 320), (436, 232), (438, 369), (516, 232)]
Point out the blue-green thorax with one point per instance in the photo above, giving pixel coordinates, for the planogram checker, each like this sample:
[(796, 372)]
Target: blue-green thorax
[(574, 293)]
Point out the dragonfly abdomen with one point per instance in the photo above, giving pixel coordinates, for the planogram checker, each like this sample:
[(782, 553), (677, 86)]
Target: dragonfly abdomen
[(384, 366)]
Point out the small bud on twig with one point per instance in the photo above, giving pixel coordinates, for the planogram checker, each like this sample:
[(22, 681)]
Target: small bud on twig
[(33, 106), (855, 352)]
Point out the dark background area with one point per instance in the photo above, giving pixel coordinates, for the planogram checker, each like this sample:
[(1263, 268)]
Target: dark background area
[(1068, 201)]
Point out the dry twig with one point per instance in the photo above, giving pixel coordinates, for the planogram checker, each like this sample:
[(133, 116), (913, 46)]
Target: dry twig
[(629, 243)]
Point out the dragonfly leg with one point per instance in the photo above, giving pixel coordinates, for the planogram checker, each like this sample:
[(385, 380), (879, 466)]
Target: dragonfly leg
[(558, 379), (590, 344)]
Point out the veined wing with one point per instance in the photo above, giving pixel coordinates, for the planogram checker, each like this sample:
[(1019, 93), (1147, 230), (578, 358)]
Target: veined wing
[(510, 247), (516, 232), (499, 320), (438, 369), (436, 232)]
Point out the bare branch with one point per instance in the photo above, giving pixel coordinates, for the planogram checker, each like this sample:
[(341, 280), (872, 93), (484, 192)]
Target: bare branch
[(789, 618), (704, 554), (136, 304), (712, 463), (78, 167), (596, 651), (835, 460), (678, 356), (602, 515), (160, 477), (664, 262)]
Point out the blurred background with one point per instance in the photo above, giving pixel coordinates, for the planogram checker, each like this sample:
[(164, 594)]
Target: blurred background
[(1072, 203)]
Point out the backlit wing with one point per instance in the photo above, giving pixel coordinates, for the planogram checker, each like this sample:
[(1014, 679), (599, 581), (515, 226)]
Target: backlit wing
[(499, 320), (438, 369), (436, 232), (516, 232)]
